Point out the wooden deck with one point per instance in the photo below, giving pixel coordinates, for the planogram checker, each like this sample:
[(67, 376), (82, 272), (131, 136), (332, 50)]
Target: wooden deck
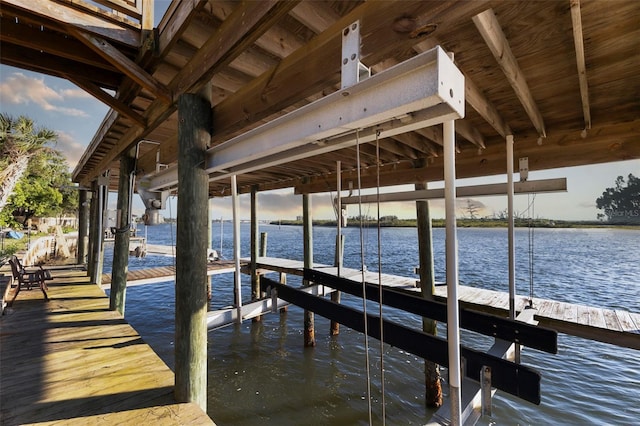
[(617, 327), (167, 273), (72, 361)]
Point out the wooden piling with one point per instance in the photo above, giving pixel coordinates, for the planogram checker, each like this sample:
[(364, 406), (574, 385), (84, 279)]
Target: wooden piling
[(433, 387), (92, 229), (309, 327), (194, 135), (83, 227), (118, 293), (335, 296)]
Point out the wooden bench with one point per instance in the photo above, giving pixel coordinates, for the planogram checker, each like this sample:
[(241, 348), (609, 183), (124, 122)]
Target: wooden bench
[(26, 278)]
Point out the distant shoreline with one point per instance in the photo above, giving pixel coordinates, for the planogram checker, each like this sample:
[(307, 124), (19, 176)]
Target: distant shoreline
[(469, 223)]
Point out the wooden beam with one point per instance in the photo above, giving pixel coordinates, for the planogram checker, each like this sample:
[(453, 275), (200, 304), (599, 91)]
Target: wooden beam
[(111, 101), (227, 43), (38, 38), (42, 62), (158, 112), (490, 30), (122, 6), (486, 109), (123, 63), (63, 14), (470, 133), (576, 20)]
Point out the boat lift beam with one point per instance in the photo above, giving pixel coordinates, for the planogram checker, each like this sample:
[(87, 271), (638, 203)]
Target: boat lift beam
[(423, 91), (537, 186)]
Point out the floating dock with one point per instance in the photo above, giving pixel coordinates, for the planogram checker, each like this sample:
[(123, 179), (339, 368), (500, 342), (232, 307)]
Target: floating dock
[(73, 361)]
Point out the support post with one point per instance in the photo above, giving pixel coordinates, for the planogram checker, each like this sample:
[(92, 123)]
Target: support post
[(194, 127), (512, 256), (263, 244), (309, 327), (255, 278), (237, 276), (210, 245), (451, 247), (93, 225), (83, 227), (98, 234), (335, 296), (118, 293), (433, 387)]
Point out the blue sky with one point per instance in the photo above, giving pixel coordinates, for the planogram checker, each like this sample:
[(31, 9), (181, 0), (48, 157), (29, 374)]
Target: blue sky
[(75, 116)]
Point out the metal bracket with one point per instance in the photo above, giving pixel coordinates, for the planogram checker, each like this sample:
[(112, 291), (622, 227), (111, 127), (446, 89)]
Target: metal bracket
[(353, 71)]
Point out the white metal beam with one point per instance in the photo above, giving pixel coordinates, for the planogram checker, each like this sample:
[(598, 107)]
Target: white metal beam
[(420, 92), (537, 186)]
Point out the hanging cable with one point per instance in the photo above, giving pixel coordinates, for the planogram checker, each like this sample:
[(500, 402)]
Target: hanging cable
[(384, 416), (364, 288)]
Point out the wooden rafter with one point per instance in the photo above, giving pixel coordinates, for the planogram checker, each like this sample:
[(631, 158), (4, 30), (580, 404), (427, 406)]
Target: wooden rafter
[(122, 63), (491, 31), (217, 50), (226, 52), (53, 42), (66, 15), (576, 19), (111, 101), (37, 61)]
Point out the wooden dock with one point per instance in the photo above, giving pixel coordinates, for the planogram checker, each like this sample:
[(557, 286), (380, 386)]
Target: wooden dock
[(72, 361), (616, 327), (167, 273)]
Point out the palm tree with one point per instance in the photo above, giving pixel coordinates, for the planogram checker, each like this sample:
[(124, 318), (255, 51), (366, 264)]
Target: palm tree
[(19, 141)]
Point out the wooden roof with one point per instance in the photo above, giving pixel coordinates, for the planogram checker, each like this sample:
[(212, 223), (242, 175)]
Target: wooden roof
[(562, 76)]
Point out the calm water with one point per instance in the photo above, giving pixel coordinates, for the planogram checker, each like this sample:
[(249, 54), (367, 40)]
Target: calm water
[(260, 373)]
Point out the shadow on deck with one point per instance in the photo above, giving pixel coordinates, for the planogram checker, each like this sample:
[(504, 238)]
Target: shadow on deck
[(71, 360)]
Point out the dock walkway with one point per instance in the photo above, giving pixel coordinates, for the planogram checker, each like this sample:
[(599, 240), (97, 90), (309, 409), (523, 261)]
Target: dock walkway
[(617, 327), (167, 273), (72, 361)]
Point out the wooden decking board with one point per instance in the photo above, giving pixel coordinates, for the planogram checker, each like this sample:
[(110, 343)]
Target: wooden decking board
[(578, 320), (72, 361)]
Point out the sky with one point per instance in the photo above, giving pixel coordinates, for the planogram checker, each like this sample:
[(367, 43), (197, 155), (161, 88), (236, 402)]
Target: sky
[(75, 116)]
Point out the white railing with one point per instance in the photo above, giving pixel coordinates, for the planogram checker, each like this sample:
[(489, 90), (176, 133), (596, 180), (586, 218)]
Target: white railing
[(45, 248)]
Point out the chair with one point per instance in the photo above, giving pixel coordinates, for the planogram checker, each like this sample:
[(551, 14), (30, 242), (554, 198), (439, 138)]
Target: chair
[(27, 279)]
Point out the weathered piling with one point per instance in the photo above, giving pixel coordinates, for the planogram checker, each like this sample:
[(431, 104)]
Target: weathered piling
[(433, 387), (335, 296), (194, 127), (118, 293)]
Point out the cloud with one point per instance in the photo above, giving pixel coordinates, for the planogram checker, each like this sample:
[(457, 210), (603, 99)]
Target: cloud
[(20, 89), (70, 148)]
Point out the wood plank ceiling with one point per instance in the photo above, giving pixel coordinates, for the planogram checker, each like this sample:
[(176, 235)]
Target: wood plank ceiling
[(563, 76)]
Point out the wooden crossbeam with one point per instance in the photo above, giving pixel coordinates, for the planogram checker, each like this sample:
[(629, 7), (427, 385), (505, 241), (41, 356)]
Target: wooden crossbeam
[(122, 63), (515, 379), (576, 20), (494, 37), (111, 101)]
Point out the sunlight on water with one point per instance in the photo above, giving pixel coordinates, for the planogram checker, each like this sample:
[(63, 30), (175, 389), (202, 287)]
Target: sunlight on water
[(260, 374)]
